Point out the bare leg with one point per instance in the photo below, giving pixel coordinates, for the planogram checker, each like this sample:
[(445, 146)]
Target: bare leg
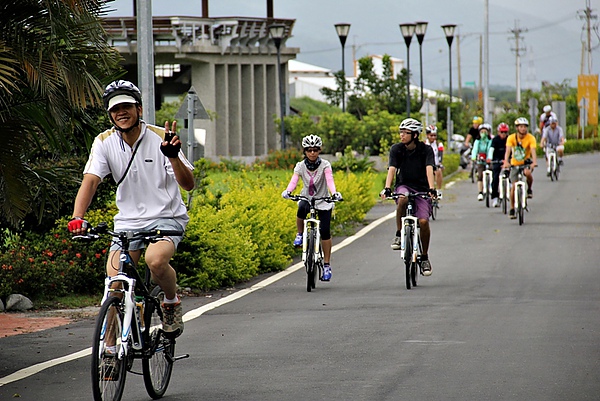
[(158, 256)]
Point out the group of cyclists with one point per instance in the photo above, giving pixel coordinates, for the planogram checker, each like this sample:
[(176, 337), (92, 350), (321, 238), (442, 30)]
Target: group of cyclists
[(149, 167), (504, 151)]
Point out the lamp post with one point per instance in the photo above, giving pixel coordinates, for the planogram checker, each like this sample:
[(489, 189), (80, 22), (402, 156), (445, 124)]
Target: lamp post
[(408, 30), (342, 30), (420, 30), (277, 33), (449, 32)]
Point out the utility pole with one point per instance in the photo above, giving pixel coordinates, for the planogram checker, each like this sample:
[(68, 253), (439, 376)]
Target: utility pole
[(519, 52), (587, 15), (460, 94), (486, 62)]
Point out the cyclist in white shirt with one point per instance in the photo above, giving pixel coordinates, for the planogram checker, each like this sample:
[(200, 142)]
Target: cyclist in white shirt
[(553, 136), (147, 163), (544, 117)]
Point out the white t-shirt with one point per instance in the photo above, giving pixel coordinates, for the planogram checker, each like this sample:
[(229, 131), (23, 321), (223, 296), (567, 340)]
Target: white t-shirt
[(149, 191), (544, 118)]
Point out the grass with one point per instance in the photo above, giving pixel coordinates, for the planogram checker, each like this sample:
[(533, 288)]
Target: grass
[(69, 302)]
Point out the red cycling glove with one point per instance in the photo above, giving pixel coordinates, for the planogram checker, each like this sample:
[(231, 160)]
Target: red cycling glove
[(77, 223)]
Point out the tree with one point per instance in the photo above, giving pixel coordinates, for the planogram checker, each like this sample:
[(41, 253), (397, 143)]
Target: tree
[(54, 62)]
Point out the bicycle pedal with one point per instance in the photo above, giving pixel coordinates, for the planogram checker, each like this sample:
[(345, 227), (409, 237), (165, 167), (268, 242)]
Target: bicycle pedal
[(184, 356)]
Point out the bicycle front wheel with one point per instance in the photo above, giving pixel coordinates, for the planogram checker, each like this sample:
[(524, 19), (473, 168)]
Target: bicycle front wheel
[(108, 370), (159, 351), (520, 206), (408, 241), (556, 172), (310, 265)]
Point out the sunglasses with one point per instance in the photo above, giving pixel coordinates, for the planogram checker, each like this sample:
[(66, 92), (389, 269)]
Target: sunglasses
[(312, 150)]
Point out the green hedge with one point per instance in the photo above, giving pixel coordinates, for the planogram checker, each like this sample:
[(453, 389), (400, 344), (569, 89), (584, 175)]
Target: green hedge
[(238, 228)]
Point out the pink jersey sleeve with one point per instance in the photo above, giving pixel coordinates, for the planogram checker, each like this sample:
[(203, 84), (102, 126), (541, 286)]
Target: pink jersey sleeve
[(329, 179), (293, 182)]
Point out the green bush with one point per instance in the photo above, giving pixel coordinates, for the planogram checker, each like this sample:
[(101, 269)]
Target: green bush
[(349, 162)]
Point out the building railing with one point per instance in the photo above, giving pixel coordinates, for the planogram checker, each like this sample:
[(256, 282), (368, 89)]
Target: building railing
[(227, 33)]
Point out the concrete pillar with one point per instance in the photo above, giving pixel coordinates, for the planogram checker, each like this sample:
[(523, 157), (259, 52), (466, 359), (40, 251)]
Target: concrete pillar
[(260, 110), (234, 111), (247, 108)]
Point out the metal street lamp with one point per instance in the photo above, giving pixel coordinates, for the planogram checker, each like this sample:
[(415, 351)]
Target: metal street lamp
[(408, 30), (342, 30), (277, 33), (449, 32), (420, 30)]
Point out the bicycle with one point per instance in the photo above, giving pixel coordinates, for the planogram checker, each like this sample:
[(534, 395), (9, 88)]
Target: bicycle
[(553, 165), (521, 192), (312, 252), (504, 190), (128, 326), (411, 247), (487, 184)]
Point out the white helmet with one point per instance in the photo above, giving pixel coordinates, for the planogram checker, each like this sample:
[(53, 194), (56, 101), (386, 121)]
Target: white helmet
[(547, 108), (411, 124), (312, 141), (485, 126), (521, 121), (431, 129)]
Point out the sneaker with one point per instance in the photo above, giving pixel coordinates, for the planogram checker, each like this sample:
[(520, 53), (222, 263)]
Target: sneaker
[(512, 214), (426, 267), (480, 196), (110, 368), (561, 162), (495, 202), (529, 193), (396, 245), (298, 240), (548, 174), (326, 273), (172, 319)]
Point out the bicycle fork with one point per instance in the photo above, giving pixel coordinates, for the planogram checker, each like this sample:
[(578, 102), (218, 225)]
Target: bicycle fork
[(410, 221), (125, 287), (314, 225), (523, 191), (487, 181)]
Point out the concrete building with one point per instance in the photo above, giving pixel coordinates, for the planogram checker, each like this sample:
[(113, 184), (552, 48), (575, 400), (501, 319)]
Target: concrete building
[(232, 64)]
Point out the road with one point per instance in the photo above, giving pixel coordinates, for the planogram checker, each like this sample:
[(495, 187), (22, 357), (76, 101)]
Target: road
[(510, 313)]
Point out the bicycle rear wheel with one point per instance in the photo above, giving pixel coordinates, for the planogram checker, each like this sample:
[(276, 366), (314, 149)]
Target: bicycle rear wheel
[(310, 263), (408, 239), (159, 351), (108, 371)]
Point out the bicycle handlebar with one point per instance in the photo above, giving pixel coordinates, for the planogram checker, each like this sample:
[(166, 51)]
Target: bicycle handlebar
[(424, 195), (94, 233), (327, 199)]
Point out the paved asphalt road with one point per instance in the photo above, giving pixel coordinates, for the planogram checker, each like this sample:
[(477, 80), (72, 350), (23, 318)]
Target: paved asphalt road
[(510, 313)]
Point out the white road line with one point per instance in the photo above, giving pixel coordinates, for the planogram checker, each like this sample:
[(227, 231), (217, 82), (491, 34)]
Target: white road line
[(195, 313)]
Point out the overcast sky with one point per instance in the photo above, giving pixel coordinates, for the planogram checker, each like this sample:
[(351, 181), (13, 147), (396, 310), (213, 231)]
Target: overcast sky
[(552, 34)]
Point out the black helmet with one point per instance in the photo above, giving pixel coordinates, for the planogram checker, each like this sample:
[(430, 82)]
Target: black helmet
[(121, 88)]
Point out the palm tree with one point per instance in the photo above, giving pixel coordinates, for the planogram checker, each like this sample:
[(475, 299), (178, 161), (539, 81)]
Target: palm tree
[(54, 62)]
